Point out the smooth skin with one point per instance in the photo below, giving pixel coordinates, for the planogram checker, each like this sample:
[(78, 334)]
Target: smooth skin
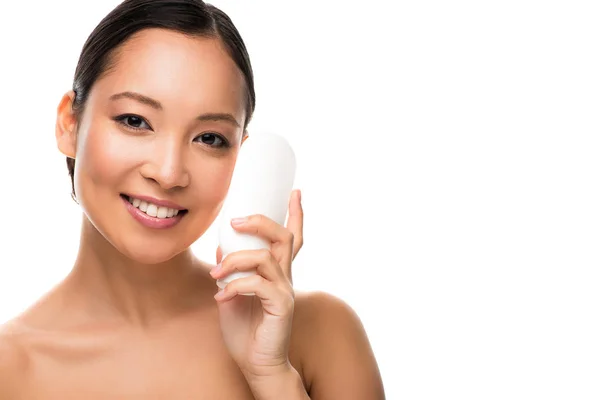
[(139, 317)]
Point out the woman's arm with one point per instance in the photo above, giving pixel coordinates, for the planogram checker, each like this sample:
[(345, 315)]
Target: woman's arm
[(338, 361), (288, 386)]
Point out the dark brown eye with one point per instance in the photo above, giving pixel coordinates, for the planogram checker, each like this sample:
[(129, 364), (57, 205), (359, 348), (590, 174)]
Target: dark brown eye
[(212, 140), (133, 122)]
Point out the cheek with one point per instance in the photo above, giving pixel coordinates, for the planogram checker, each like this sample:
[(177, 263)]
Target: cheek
[(212, 178), (102, 156)]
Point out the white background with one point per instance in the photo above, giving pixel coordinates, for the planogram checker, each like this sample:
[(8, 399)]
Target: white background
[(448, 154)]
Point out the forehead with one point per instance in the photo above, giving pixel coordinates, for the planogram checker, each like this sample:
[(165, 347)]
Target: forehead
[(177, 69)]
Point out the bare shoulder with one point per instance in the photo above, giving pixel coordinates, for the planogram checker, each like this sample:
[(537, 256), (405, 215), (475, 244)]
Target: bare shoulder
[(14, 360), (337, 357), (320, 311)]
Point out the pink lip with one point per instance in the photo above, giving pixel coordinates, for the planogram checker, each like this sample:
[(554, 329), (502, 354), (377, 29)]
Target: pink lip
[(163, 203), (151, 222)]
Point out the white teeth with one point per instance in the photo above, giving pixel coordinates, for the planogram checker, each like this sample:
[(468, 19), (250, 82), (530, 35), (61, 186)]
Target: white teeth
[(162, 212), (152, 209)]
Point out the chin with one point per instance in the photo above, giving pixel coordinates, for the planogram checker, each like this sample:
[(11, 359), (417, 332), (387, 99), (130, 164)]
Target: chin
[(150, 255)]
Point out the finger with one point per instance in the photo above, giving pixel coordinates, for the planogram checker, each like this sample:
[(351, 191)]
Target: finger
[(276, 299), (246, 260), (270, 230), (295, 222), (281, 238), (262, 226), (219, 254)]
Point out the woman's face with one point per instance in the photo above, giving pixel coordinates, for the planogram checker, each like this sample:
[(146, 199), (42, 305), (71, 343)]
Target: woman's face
[(165, 123)]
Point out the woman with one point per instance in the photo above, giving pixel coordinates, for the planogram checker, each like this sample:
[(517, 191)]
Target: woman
[(161, 99)]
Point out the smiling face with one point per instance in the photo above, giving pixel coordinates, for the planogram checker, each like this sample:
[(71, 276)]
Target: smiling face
[(165, 124)]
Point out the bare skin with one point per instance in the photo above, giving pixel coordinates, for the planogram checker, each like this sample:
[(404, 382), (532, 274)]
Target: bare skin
[(137, 318)]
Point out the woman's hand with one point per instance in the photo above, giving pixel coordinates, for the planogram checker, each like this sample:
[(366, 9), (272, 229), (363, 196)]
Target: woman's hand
[(257, 329)]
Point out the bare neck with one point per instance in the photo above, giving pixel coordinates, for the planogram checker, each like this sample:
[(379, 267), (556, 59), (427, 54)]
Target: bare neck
[(107, 282)]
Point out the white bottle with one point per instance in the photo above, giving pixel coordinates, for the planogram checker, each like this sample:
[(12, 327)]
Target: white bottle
[(261, 183)]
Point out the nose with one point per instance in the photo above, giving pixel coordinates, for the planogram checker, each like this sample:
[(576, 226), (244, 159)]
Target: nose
[(166, 166)]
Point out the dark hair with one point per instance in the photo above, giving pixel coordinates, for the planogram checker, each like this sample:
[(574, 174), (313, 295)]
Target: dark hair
[(190, 17)]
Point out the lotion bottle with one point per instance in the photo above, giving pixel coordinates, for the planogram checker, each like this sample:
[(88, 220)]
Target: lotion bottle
[(261, 183)]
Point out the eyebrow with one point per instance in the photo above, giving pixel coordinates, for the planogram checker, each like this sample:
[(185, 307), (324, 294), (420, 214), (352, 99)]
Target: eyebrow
[(139, 98), (226, 117)]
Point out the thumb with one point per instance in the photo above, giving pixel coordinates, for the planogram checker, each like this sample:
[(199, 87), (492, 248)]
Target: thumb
[(296, 221), (219, 254)]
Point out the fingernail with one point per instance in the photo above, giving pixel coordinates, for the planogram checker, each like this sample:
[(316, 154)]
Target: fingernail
[(238, 221), (299, 195), (223, 295), (220, 295), (215, 270)]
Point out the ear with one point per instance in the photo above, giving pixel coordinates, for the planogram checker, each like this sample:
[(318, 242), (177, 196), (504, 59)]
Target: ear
[(66, 126), (245, 136)]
